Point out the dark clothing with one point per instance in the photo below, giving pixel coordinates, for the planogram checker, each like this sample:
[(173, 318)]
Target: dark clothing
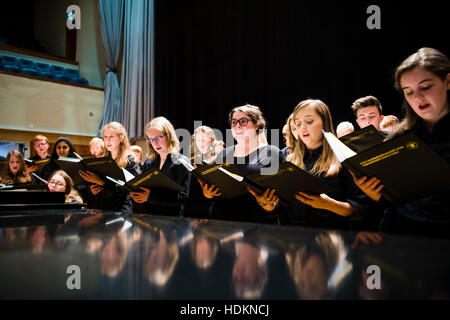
[(246, 208), (428, 216), (112, 197), (166, 202), (51, 167), (344, 190)]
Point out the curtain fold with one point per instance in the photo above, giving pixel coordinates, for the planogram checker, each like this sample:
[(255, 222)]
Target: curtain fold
[(138, 66), (111, 22)]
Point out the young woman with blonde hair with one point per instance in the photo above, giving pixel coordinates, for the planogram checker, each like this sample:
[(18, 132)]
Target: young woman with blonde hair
[(107, 195), (314, 155), (163, 154)]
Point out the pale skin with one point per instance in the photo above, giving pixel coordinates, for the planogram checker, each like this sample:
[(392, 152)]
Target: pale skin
[(41, 147), (247, 142), (159, 141), (309, 129), (14, 165), (369, 116), (112, 144), (426, 94)]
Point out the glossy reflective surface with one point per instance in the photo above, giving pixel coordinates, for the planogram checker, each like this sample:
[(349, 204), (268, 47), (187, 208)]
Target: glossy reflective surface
[(108, 256)]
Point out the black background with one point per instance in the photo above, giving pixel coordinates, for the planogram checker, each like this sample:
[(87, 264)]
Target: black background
[(214, 55)]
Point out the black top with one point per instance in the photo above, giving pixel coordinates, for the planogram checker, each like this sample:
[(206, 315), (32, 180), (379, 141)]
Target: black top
[(428, 215), (344, 190), (246, 208), (166, 202), (112, 197)]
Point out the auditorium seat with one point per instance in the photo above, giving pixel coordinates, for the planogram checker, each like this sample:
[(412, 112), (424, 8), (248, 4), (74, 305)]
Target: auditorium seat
[(43, 69), (57, 72), (83, 81), (71, 75), (9, 64), (27, 67)]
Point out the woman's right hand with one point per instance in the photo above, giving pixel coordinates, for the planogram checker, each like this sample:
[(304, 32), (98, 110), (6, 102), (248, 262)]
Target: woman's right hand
[(140, 196), (209, 191), (371, 187)]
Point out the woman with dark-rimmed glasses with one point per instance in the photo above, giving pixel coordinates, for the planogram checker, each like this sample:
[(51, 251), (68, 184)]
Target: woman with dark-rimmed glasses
[(249, 153)]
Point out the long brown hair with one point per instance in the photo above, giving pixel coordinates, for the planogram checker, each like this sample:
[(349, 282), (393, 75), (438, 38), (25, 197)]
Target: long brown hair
[(327, 164), (22, 175), (256, 116), (429, 59)]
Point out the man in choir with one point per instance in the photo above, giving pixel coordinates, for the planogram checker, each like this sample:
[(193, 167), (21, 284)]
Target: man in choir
[(368, 112)]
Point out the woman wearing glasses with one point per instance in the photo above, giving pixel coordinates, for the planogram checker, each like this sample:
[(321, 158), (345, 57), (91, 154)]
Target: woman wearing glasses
[(105, 194), (164, 150), (60, 181), (251, 152)]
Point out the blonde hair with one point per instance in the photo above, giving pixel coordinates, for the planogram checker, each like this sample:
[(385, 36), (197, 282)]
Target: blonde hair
[(22, 175), (388, 121), (71, 193), (327, 164), (97, 140), (38, 138), (164, 125), (195, 152), (124, 146), (290, 139), (343, 127)]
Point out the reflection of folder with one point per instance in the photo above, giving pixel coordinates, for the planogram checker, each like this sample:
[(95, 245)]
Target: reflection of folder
[(104, 166), (151, 178), (362, 139), (406, 166)]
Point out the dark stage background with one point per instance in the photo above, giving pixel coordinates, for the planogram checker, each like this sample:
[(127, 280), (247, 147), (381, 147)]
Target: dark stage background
[(213, 55)]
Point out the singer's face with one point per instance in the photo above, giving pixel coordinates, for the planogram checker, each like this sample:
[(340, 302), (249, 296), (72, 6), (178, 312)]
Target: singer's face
[(426, 93), (309, 127), (14, 164), (62, 149), (112, 140), (202, 141), (158, 140), (242, 126)]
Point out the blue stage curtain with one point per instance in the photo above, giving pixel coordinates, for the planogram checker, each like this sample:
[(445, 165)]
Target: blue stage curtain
[(138, 66), (111, 20)]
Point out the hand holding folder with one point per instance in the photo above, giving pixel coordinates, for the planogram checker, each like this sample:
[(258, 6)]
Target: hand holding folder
[(103, 167), (405, 165)]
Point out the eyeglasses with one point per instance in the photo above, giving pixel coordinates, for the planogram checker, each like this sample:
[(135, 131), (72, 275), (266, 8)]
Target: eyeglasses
[(156, 139), (56, 184), (242, 121), (40, 144)]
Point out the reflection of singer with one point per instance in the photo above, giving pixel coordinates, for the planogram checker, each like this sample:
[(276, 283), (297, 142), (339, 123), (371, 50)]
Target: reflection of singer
[(312, 264), (249, 270)]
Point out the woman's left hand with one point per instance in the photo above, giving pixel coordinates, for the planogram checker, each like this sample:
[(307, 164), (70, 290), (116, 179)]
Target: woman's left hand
[(321, 201), (91, 177), (268, 200)]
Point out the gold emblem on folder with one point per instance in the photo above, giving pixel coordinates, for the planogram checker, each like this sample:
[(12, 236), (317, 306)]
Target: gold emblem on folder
[(412, 145)]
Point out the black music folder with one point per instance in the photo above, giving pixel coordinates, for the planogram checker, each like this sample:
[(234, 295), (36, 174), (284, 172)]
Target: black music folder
[(406, 166), (103, 166), (40, 163), (288, 180), (150, 178), (363, 139)]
